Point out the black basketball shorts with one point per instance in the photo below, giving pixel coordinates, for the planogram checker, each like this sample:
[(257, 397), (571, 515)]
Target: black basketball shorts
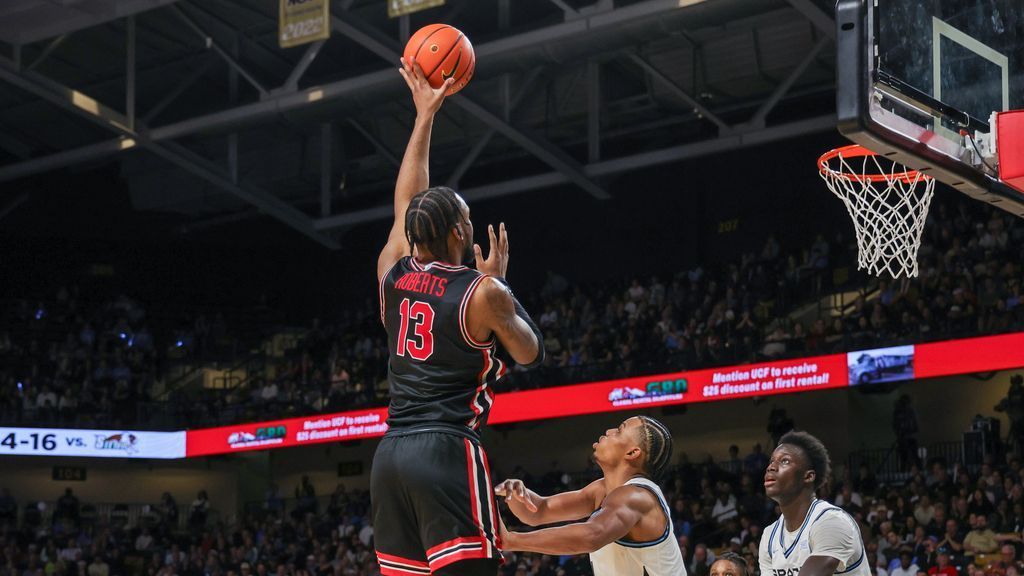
[(433, 503)]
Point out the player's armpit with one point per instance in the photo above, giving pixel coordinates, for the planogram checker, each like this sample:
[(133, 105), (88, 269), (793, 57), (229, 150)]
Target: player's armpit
[(396, 248), (492, 311), (819, 566)]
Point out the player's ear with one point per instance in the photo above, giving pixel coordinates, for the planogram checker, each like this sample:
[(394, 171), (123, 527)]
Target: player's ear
[(810, 476), (634, 453), (458, 231)]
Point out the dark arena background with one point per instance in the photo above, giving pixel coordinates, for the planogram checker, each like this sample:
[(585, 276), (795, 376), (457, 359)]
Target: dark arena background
[(193, 372)]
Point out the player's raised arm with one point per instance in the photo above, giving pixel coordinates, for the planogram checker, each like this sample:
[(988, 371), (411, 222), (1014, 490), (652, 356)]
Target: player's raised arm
[(534, 510), (414, 174), (494, 310), (619, 513)]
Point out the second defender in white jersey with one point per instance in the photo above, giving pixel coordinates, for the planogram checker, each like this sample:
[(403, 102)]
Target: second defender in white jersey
[(628, 530), (812, 537)]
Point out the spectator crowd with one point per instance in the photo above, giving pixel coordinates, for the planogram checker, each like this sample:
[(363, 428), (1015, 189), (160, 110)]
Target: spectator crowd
[(97, 363), (941, 519)]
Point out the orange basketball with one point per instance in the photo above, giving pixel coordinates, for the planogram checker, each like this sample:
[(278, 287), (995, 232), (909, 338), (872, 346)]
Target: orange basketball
[(442, 52)]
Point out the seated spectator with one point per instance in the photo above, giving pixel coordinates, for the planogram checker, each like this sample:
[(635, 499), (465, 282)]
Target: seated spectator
[(848, 499), (733, 465), (99, 567), (981, 539), (46, 404), (756, 462), (725, 505), (951, 539), (924, 511), (942, 567), (906, 566), (702, 560), (1007, 561), (144, 542)]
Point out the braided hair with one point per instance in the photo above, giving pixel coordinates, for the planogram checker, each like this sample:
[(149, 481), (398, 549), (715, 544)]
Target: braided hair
[(741, 563), (657, 444), (431, 215)]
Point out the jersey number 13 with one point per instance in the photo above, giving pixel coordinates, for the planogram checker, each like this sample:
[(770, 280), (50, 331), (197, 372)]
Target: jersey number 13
[(421, 343)]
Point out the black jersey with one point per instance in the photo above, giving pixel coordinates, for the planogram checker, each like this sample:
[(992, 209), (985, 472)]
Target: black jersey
[(437, 372)]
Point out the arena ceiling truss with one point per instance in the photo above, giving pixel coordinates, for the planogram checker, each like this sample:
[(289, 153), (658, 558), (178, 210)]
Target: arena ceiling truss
[(209, 118)]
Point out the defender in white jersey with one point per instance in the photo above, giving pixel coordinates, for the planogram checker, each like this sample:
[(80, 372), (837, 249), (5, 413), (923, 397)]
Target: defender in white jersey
[(812, 537), (628, 530)]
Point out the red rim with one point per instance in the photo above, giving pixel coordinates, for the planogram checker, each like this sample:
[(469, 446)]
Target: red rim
[(858, 151)]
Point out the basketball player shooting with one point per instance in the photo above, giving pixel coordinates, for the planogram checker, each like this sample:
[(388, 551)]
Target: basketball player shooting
[(629, 530), (433, 510), (812, 537)]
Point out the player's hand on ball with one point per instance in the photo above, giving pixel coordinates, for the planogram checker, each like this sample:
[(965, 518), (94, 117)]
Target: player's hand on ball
[(496, 263), (514, 489), (427, 100)]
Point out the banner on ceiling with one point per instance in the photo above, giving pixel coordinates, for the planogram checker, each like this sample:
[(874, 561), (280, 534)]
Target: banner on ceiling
[(303, 21), (398, 8)]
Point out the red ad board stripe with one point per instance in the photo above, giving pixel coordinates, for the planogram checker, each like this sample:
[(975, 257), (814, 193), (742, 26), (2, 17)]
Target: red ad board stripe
[(763, 379), (983, 354), (786, 376), (354, 425)]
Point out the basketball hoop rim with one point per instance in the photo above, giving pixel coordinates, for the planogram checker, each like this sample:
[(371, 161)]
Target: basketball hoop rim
[(858, 151)]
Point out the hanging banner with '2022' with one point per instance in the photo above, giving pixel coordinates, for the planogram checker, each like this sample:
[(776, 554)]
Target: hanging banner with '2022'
[(303, 21), (398, 8)]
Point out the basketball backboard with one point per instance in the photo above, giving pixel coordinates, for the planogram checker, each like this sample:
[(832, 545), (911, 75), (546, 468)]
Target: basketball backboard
[(919, 80)]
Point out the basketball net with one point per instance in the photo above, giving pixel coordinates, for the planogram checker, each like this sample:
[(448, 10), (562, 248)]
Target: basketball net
[(888, 205)]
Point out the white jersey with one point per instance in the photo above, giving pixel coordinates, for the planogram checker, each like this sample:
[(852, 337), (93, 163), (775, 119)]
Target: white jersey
[(827, 530), (659, 557)]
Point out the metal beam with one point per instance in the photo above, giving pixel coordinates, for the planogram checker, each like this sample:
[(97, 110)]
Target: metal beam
[(558, 43), (67, 98), (781, 89), (724, 143), (325, 169), (565, 8), (547, 152), (13, 205), (66, 158), (233, 157), (268, 203), (677, 90), (12, 145), (212, 44), (129, 66), (825, 24), (481, 144), (47, 51), (376, 143), (611, 30), (292, 84), (171, 152), (593, 111), (178, 90), (403, 28)]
